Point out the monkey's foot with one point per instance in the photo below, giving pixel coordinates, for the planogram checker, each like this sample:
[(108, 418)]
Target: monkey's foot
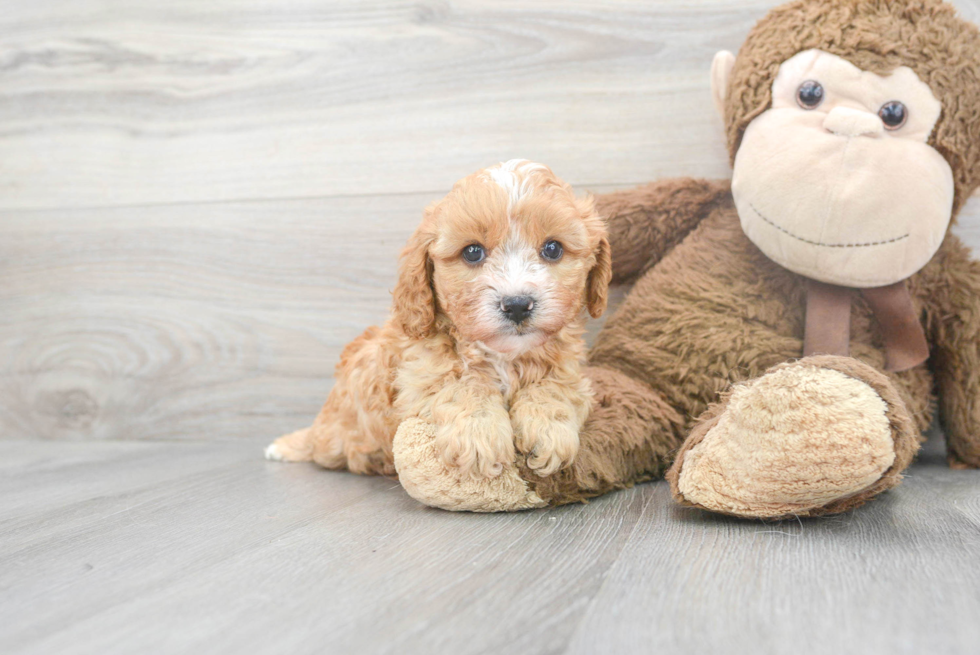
[(427, 479), (817, 436)]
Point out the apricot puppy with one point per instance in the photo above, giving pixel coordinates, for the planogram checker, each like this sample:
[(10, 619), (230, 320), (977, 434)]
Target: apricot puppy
[(485, 334)]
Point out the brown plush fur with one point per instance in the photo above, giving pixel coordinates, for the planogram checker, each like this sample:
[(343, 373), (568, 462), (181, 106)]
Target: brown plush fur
[(709, 309), (630, 437), (715, 311)]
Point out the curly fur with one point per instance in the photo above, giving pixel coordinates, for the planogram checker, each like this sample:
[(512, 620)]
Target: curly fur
[(448, 356)]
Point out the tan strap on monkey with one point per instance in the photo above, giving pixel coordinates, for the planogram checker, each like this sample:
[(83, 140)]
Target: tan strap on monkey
[(828, 323), (905, 340), (828, 319)]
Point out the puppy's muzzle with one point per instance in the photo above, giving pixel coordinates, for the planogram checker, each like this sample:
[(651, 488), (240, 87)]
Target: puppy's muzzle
[(517, 308)]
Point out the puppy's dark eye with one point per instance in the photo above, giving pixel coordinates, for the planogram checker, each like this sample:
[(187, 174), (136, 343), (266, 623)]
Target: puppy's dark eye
[(893, 114), (810, 94), (474, 253), (552, 251)]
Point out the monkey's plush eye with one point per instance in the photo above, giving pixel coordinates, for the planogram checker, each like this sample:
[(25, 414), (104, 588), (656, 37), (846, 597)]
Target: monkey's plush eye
[(893, 114), (474, 253), (552, 251), (810, 94)]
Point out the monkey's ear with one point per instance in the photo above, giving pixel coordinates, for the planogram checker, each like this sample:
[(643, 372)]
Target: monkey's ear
[(599, 277), (413, 301), (721, 72)]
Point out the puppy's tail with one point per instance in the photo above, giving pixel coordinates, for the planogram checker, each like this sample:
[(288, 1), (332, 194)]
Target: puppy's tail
[(293, 447)]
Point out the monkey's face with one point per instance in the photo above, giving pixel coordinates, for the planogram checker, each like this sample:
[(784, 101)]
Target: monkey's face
[(837, 181)]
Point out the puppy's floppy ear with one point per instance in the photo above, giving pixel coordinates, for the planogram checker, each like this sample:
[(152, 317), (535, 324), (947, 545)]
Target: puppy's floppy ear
[(414, 303), (597, 285), (599, 277)]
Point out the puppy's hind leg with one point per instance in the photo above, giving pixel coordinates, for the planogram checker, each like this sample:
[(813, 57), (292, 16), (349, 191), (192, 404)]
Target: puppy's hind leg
[(293, 447), (356, 424)]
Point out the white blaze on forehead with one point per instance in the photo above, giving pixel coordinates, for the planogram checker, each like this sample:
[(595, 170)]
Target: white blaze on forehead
[(515, 177)]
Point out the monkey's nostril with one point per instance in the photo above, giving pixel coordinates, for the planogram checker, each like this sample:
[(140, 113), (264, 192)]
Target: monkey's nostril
[(517, 308)]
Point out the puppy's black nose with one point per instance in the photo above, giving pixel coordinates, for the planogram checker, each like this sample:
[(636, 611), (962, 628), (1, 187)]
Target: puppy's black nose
[(517, 308)]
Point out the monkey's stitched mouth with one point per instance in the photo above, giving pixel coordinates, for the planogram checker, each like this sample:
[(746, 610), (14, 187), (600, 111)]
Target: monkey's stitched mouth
[(827, 245)]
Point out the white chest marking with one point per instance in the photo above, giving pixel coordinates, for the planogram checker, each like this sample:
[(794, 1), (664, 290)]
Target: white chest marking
[(503, 369)]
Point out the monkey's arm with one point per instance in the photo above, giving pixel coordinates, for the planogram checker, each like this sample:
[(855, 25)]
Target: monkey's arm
[(645, 223), (955, 331)]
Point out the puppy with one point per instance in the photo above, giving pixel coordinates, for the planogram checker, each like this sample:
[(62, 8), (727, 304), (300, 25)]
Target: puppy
[(485, 335)]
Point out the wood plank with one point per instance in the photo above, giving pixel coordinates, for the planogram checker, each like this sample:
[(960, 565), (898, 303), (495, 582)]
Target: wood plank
[(967, 226), (215, 320), (898, 575), (247, 555), (200, 321), (40, 480), (109, 100), (107, 104), (264, 557), (104, 103)]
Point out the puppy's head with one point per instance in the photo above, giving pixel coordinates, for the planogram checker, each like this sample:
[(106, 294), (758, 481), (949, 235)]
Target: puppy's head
[(510, 257)]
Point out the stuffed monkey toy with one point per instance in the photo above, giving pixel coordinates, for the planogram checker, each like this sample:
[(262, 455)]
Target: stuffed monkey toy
[(789, 331)]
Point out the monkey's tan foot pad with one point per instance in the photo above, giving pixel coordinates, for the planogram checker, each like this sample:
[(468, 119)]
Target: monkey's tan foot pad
[(428, 480), (816, 436)]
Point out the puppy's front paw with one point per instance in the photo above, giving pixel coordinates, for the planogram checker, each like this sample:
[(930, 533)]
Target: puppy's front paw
[(478, 445), (548, 443)]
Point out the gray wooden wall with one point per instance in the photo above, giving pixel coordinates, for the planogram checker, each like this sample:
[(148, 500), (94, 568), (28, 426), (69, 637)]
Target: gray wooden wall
[(201, 201)]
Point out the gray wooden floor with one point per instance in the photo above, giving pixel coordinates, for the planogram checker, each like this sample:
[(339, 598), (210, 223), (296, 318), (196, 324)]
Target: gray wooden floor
[(201, 203), (133, 547)]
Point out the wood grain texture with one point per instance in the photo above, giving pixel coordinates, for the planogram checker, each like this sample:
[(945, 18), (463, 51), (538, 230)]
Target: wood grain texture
[(202, 202), (188, 321), (108, 103), (147, 316), (899, 575), (197, 321), (125, 552)]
